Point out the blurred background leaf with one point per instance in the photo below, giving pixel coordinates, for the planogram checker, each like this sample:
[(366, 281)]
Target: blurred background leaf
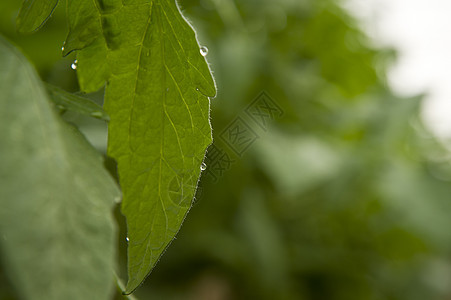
[(344, 196), (58, 232)]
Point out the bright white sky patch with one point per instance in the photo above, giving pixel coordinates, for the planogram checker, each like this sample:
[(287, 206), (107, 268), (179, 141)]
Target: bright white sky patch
[(421, 32)]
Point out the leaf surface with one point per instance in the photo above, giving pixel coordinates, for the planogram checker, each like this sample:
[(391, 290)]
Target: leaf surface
[(34, 13), (72, 102), (57, 233), (158, 85)]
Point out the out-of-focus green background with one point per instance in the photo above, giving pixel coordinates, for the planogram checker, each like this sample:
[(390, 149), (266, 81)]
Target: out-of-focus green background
[(321, 184)]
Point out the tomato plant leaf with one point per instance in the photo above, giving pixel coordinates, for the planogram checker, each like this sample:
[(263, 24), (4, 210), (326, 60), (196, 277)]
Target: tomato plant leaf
[(158, 85), (72, 102), (84, 24), (55, 196), (33, 14)]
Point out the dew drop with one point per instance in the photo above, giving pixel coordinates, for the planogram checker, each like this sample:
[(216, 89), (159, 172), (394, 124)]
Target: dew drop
[(62, 48), (203, 167), (127, 239), (203, 51), (74, 65)]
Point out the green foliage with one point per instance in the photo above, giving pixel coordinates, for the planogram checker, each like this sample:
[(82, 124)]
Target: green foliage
[(72, 102), (345, 196), (57, 229), (33, 14), (158, 83), (156, 97)]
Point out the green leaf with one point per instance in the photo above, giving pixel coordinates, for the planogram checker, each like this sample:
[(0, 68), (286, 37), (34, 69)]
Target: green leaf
[(75, 103), (34, 13), (84, 24), (57, 233), (157, 92)]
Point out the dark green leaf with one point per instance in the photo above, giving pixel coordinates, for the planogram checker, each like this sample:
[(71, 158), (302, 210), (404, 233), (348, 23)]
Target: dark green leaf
[(34, 13), (75, 103), (56, 226), (157, 99), (84, 24)]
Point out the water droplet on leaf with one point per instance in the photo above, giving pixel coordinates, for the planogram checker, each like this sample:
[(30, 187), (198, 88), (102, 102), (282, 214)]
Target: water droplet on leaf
[(74, 65), (127, 239), (203, 51), (203, 167)]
